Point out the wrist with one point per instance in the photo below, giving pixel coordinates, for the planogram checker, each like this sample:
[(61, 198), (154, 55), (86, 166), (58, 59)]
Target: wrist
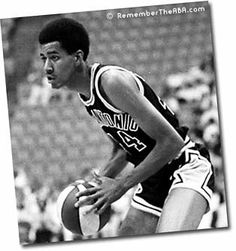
[(124, 184)]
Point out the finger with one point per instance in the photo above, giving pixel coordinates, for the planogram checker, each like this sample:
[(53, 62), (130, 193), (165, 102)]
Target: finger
[(87, 192), (84, 200), (102, 209), (96, 206), (87, 200)]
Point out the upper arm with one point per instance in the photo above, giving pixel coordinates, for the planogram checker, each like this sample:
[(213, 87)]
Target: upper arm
[(124, 94)]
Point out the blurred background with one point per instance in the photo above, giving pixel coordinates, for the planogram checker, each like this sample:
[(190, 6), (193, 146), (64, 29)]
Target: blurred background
[(55, 142)]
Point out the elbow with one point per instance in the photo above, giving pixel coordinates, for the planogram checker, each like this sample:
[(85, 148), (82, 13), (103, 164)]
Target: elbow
[(179, 143), (173, 145), (177, 146)]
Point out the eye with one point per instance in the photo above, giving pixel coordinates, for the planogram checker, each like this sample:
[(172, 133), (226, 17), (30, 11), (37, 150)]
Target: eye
[(43, 58), (54, 57)]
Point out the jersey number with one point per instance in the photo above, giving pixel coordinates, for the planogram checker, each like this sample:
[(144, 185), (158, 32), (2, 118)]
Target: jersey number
[(131, 141)]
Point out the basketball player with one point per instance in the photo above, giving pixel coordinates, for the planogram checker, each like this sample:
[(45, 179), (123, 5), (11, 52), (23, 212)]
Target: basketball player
[(174, 174)]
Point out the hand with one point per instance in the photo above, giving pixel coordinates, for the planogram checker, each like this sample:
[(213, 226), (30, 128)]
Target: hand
[(105, 192)]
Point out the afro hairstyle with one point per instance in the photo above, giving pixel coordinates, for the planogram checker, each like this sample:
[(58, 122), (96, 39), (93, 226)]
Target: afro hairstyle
[(71, 34)]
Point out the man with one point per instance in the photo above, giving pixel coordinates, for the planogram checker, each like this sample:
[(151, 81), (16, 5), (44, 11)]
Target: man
[(174, 175)]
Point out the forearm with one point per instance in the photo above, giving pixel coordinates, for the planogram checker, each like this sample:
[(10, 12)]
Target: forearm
[(115, 165), (158, 158)]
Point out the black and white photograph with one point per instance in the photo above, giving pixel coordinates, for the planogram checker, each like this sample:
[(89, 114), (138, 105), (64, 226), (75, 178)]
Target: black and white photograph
[(115, 124)]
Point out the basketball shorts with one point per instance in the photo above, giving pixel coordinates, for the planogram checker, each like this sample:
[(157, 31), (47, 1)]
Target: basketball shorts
[(191, 169)]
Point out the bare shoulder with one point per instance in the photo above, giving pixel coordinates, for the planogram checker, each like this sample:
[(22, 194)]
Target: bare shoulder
[(120, 88), (115, 80)]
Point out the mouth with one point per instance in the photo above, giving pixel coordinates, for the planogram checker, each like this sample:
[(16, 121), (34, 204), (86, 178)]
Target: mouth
[(50, 79)]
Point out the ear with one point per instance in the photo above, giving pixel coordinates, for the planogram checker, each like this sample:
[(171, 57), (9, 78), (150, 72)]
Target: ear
[(79, 54)]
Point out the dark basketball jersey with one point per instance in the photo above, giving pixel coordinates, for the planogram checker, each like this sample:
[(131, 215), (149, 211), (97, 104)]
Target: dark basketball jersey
[(119, 125)]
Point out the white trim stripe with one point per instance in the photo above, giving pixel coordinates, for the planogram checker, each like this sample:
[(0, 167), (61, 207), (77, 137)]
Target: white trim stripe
[(208, 191), (108, 105), (139, 83), (91, 98), (143, 205), (188, 144)]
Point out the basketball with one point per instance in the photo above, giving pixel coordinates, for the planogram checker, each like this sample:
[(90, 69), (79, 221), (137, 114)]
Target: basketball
[(75, 219)]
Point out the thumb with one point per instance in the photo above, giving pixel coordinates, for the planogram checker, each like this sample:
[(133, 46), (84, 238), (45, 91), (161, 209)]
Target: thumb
[(97, 178)]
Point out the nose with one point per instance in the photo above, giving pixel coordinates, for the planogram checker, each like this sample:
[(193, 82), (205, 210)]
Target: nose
[(48, 68)]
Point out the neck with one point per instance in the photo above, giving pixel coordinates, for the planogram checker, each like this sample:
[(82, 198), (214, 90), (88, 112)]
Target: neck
[(81, 81)]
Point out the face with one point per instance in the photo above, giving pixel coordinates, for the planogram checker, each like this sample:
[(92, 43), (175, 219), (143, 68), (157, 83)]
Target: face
[(59, 66)]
